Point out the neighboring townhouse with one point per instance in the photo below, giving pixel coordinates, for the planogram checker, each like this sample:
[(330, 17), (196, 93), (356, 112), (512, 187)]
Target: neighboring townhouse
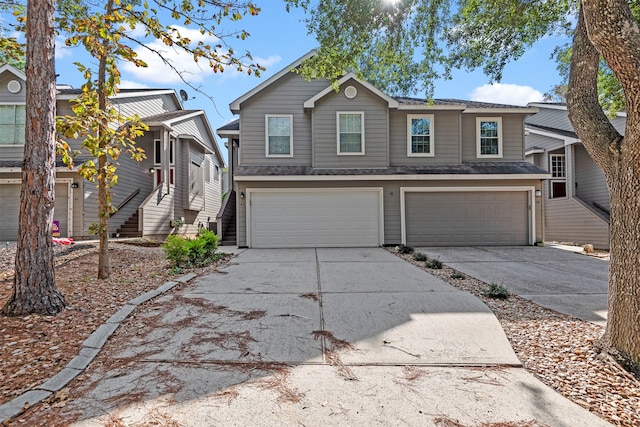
[(179, 180), (576, 198), (313, 167)]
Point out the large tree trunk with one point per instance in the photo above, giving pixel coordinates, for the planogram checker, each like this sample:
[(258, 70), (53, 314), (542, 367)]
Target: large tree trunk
[(34, 289), (607, 28)]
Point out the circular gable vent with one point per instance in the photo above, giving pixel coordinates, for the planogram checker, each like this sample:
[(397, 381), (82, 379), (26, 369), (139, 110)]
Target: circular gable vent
[(350, 92), (14, 86)]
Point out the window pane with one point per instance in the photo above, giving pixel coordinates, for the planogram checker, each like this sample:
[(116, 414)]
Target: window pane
[(7, 114), (489, 143), (421, 135), (350, 126), (279, 145), (21, 114), (279, 135)]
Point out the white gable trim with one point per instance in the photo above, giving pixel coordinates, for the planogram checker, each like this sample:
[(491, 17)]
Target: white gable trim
[(234, 106), (311, 102), (566, 139), (13, 70)]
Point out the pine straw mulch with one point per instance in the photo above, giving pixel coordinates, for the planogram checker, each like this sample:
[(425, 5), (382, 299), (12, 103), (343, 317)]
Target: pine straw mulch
[(35, 348), (560, 350)]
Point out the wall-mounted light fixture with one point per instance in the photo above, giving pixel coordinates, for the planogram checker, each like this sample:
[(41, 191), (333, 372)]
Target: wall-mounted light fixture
[(152, 171), (538, 193), (242, 194), (74, 185)]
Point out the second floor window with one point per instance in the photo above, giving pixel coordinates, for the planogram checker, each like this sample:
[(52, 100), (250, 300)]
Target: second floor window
[(350, 133), (12, 123), (420, 135), (489, 137), (279, 130)]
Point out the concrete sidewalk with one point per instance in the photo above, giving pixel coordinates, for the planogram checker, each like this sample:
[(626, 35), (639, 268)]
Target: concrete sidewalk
[(562, 280), (315, 337)]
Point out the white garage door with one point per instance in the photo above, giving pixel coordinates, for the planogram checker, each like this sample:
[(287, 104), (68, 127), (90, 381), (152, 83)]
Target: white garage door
[(467, 218), (10, 210), (293, 219)]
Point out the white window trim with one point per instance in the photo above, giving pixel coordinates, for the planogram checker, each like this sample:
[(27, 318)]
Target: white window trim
[(555, 179), (489, 119), (172, 147), (355, 153), (266, 135), (14, 103), (431, 152)]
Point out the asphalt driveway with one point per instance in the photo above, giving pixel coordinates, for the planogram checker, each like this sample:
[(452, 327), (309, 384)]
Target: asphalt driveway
[(314, 337), (562, 280)]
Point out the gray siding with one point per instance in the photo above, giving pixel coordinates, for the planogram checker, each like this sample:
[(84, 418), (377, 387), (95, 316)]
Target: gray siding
[(145, 106), (446, 139), (285, 96), (568, 220), (512, 137), (376, 129), (391, 200), (7, 97), (590, 183)]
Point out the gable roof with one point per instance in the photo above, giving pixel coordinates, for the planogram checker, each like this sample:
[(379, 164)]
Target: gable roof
[(311, 102), (234, 106), (168, 118), (13, 70)]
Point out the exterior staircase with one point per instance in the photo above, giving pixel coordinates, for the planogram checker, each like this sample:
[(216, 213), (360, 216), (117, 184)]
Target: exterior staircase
[(130, 227), (227, 220)]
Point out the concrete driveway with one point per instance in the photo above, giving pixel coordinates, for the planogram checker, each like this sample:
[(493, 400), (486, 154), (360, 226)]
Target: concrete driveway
[(314, 337), (562, 280)]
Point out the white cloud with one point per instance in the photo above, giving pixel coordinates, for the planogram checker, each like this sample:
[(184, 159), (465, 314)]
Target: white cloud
[(130, 84), (194, 72), (505, 93)]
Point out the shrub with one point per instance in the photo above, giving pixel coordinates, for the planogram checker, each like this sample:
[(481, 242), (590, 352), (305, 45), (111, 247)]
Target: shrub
[(436, 264), (496, 291), (419, 256), (182, 251), (176, 250), (457, 275), (404, 249)]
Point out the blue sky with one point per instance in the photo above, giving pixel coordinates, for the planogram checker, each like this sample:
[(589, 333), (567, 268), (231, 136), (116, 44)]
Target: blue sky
[(278, 38)]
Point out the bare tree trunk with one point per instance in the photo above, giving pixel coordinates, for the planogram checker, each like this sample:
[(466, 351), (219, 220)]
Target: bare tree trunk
[(104, 268), (607, 28), (34, 289)]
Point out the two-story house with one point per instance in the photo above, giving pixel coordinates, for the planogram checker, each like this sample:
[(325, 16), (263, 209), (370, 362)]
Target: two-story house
[(314, 166), (179, 180), (576, 198)]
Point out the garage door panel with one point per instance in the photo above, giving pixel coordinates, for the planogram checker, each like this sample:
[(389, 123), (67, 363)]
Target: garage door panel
[(10, 210), (467, 218), (310, 219)]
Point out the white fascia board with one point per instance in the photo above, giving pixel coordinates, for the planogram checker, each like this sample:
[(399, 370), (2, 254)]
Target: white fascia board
[(311, 102), (521, 110), (548, 106), (567, 140), (534, 151), (234, 106), (433, 177), (13, 70), (228, 133)]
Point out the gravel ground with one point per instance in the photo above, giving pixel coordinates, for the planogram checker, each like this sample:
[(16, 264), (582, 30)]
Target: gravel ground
[(560, 350)]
